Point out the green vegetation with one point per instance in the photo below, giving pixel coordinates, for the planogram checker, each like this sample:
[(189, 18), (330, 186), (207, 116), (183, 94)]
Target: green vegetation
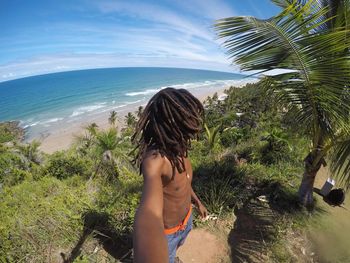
[(10, 131), (76, 204), (309, 39)]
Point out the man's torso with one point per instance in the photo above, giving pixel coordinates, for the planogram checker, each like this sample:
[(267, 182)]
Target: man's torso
[(176, 194), (176, 190)]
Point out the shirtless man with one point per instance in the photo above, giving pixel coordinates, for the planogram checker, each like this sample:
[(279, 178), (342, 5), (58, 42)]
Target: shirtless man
[(170, 120)]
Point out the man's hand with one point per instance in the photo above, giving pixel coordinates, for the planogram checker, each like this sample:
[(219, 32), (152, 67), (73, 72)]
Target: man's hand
[(203, 212)]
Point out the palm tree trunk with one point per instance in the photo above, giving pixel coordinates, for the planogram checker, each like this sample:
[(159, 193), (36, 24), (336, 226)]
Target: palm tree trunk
[(305, 192), (306, 188)]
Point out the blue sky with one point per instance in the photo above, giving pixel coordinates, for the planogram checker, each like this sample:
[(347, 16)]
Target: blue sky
[(39, 37)]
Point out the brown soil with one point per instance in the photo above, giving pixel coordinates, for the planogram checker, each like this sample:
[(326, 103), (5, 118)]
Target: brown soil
[(203, 247)]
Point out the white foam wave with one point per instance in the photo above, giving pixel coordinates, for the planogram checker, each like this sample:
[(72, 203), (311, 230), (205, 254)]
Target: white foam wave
[(52, 120), (120, 106), (146, 92), (33, 124), (132, 102), (86, 109), (193, 85), (111, 108)]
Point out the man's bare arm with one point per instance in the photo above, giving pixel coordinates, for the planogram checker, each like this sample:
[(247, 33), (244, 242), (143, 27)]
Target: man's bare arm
[(195, 198), (202, 210), (150, 244)]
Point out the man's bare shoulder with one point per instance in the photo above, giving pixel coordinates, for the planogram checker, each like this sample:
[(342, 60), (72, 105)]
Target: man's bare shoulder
[(153, 164)]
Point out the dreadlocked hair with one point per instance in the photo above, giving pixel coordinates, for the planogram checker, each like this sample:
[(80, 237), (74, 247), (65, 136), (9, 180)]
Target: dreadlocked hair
[(170, 120)]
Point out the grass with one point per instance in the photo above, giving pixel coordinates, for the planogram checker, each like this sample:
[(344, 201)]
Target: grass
[(33, 236)]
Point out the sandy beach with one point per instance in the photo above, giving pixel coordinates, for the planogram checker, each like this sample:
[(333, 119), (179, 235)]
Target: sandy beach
[(63, 137)]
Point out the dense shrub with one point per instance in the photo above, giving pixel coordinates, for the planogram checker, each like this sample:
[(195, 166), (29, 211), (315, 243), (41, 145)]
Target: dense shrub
[(63, 165), (10, 131), (276, 148), (249, 150), (232, 136), (5, 136), (13, 168)]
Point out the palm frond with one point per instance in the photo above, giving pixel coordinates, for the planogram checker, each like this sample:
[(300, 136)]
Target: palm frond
[(107, 140), (212, 134), (113, 117), (340, 161), (283, 3), (291, 40), (92, 129)]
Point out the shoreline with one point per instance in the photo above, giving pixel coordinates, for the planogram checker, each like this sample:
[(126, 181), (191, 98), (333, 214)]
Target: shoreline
[(62, 138)]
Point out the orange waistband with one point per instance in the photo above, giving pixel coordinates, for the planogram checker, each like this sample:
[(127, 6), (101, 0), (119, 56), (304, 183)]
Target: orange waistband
[(181, 226)]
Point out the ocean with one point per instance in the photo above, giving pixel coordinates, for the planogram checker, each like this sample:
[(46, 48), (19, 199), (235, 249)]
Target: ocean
[(44, 102)]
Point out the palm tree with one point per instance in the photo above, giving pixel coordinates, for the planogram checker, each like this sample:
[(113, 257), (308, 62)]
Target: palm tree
[(309, 40), (30, 151), (106, 143), (113, 117), (92, 129), (86, 141), (130, 120), (139, 111)]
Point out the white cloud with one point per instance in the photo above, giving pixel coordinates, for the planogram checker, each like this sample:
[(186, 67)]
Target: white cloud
[(156, 14), (211, 9), (157, 36), (8, 75)]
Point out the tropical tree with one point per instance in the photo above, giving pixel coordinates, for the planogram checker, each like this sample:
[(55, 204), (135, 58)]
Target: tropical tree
[(309, 42), (106, 142), (92, 129), (105, 147), (139, 111), (130, 120), (113, 118), (30, 151), (86, 141)]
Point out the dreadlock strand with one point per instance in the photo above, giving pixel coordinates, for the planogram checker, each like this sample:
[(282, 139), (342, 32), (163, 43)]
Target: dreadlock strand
[(169, 121), (181, 120), (174, 128), (192, 102), (158, 132), (176, 103), (180, 107), (166, 137)]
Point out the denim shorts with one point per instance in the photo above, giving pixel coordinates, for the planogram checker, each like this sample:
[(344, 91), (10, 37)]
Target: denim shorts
[(178, 239)]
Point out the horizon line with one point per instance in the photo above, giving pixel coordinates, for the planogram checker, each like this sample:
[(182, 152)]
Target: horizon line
[(85, 69)]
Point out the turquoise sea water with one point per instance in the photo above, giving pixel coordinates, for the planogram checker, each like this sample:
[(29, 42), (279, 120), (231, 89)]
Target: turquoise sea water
[(42, 101)]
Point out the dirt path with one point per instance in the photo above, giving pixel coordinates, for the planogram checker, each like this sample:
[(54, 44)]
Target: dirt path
[(243, 241), (202, 246)]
